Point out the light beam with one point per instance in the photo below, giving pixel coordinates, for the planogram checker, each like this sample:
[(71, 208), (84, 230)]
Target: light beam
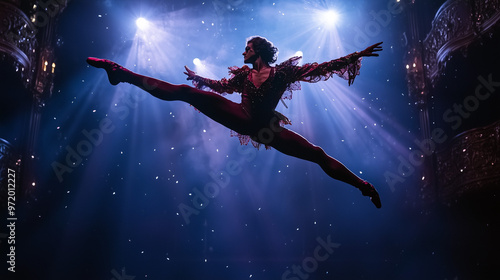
[(197, 62), (142, 23), (328, 18)]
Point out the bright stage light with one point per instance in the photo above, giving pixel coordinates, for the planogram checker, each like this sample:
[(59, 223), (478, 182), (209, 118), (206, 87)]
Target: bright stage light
[(197, 62), (142, 23), (299, 53), (328, 18)]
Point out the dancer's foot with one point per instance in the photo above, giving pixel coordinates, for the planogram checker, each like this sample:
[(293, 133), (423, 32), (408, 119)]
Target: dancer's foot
[(369, 190), (116, 73)]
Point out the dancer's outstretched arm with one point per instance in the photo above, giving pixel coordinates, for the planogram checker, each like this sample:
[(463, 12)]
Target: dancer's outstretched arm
[(346, 67), (231, 85), (370, 51), (337, 64)]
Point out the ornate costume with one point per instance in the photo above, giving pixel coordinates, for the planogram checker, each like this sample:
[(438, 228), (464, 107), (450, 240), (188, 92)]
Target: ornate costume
[(259, 103)]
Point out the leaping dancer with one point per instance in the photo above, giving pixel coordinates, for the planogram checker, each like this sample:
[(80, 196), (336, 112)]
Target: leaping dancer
[(261, 88)]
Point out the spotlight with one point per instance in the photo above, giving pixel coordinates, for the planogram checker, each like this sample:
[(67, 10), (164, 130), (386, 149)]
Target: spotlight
[(299, 53), (197, 62), (328, 18), (142, 23)]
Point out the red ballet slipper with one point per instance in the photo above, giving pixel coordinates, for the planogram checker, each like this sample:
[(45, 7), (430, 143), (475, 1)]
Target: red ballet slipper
[(369, 190)]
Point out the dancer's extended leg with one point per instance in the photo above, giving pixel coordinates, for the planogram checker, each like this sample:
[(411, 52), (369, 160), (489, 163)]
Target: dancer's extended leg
[(216, 107), (293, 144)]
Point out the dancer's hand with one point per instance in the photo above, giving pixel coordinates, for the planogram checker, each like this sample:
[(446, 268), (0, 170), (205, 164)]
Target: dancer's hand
[(190, 73), (370, 51)]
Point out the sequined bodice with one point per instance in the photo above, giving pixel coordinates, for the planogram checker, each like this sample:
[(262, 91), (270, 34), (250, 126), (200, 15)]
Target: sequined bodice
[(265, 98)]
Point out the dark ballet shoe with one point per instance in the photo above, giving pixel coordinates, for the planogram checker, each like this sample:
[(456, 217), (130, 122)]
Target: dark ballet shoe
[(369, 190), (116, 72)]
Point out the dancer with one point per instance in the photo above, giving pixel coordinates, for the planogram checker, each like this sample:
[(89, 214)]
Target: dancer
[(261, 88)]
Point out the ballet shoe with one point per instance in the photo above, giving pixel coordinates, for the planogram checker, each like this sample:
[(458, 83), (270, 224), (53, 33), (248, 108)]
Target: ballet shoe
[(116, 72), (369, 190)]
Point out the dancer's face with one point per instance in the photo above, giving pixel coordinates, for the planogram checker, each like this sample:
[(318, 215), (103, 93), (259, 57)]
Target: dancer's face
[(249, 56)]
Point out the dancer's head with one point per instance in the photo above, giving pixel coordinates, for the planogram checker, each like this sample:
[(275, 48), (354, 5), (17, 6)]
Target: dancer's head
[(260, 46)]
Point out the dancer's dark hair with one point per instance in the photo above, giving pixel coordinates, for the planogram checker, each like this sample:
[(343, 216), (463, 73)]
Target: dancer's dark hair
[(263, 47)]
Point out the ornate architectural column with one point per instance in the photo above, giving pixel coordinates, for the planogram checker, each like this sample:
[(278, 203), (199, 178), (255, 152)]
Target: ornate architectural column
[(448, 74), (28, 64), (470, 163), (17, 40), (457, 25), (418, 91)]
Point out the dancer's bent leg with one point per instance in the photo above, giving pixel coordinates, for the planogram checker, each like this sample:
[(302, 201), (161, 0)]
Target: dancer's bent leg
[(293, 144)]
